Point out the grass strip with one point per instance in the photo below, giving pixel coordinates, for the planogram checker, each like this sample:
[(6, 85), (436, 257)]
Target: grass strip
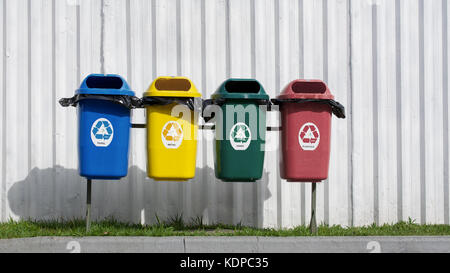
[(176, 226)]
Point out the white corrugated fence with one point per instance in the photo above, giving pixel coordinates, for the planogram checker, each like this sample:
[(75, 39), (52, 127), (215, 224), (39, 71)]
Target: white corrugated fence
[(385, 60)]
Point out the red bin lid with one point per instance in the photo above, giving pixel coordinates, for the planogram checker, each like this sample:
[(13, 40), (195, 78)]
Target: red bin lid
[(306, 89)]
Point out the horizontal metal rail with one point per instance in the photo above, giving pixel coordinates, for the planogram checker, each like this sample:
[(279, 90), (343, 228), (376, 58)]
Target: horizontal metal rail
[(138, 125), (203, 127)]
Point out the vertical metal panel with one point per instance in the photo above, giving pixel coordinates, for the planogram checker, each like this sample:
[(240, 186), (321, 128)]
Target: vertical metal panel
[(433, 112), (338, 75), (139, 51), (3, 198), (445, 44), (386, 61), (410, 113), (362, 112), (16, 115), (387, 109)]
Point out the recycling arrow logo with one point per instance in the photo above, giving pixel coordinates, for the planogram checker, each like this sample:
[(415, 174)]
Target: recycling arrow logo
[(172, 135), (309, 136), (240, 136), (102, 132)]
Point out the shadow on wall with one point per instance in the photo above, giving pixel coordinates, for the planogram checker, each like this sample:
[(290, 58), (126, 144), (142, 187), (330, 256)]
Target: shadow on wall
[(60, 193)]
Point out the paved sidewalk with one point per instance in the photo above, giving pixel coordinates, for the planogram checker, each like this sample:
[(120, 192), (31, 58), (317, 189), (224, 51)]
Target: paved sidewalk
[(224, 244)]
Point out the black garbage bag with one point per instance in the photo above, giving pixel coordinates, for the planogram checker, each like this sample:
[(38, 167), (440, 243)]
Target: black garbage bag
[(220, 102), (194, 104), (337, 109), (129, 102)]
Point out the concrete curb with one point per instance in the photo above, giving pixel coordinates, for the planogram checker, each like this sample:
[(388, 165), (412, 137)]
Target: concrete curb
[(225, 244)]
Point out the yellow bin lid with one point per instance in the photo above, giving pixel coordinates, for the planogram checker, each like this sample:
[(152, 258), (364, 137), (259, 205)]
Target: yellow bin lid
[(172, 87)]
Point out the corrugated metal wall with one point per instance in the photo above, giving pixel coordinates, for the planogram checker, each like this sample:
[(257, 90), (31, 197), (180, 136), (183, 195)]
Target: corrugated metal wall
[(386, 61)]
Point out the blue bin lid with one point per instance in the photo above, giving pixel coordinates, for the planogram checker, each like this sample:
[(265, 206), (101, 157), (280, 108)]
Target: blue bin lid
[(104, 84)]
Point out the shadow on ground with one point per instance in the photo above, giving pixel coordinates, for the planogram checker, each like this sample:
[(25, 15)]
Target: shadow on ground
[(60, 193)]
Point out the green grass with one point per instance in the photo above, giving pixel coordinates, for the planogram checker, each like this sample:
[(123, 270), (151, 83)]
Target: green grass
[(176, 226)]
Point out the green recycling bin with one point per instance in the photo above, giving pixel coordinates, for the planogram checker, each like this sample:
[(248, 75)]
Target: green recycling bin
[(240, 130)]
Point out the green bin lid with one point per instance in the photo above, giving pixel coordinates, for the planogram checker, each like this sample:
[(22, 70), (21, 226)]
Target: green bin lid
[(241, 89)]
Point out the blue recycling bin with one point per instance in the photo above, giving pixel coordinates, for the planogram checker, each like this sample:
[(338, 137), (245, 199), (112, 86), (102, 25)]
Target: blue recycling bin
[(104, 127)]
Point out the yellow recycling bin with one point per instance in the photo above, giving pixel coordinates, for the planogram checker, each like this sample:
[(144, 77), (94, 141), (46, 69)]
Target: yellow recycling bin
[(172, 124)]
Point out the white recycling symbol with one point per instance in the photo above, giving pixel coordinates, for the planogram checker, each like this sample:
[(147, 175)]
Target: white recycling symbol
[(102, 132), (172, 135), (309, 136), (172, 132), (240, 136)]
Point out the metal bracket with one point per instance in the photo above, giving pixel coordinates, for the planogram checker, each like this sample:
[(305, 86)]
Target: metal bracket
[(270, 128), (206, 127), (136, 125)]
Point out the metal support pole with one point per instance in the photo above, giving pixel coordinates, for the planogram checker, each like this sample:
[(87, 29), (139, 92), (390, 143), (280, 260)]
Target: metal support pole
[(313, 223), (88, 205)]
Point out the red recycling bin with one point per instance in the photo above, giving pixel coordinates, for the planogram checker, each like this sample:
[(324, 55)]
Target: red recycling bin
[(306, 107)]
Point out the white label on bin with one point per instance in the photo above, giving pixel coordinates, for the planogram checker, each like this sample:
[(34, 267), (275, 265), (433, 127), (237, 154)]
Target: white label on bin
[(172, 135), (240, 136), (102, 132), (309, 136)]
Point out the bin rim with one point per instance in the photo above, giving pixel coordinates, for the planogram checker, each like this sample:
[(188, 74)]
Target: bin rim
[(222, 93), (124, 89), (152, 91), (289, 93)]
